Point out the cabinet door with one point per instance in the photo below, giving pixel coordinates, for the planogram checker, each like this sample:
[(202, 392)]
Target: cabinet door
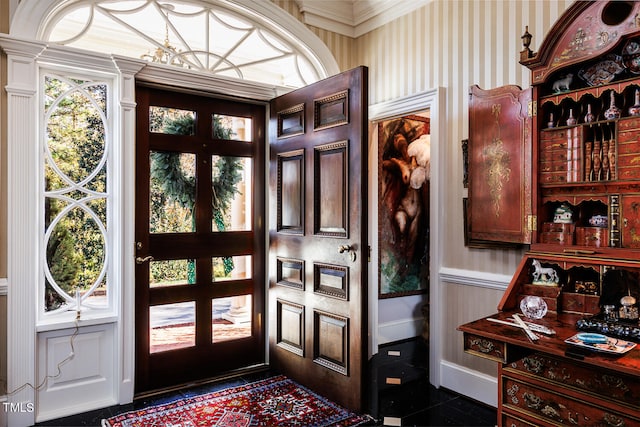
[(499, 205), (630, 221)]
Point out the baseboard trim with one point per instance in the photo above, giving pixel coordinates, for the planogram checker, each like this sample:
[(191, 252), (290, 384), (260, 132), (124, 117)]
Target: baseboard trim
[(470, 383), (75, 409), (3, 413), (399, 330)]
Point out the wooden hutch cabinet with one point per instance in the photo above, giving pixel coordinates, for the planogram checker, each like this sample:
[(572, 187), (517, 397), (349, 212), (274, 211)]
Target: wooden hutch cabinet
[(573, 195)]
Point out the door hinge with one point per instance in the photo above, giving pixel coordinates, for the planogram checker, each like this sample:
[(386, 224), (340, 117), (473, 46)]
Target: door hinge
[(369, 253), (532, 108), (532, 223)]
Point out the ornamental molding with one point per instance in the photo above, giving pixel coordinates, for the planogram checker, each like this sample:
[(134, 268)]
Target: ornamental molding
[(356, 17)]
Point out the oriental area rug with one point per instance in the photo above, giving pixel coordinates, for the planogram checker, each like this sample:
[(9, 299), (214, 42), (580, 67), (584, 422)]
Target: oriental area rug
[(276, 401)]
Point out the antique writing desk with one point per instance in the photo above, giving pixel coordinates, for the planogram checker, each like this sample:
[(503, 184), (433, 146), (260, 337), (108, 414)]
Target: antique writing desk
[(557, 166)]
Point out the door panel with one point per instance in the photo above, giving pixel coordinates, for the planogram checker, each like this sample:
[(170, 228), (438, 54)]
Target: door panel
[(199, 237), (318, 236)]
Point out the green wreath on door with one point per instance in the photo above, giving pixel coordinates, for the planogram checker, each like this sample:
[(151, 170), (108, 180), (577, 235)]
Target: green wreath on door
[(179, 187)]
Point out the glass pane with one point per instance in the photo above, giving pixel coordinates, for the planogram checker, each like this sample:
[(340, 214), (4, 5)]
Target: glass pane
[(75, 131), (75, 254), (231, 318), (172, 272), (172, 326), (171, 121), (199, 36), (231, 127), (173, 192), (232, 193), (75, 199), (232, 268)]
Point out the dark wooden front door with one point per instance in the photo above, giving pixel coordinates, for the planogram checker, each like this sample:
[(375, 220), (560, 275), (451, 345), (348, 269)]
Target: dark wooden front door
[(200, 238), (318, 236)]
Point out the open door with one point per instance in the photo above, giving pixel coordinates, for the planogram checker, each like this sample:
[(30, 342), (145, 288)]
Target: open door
[(318, 236), (199, 237)]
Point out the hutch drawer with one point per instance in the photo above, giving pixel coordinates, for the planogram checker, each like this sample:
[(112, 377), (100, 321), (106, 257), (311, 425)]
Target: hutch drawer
[(511, 421), (592, 236), (606, 385), (485, 347), (558, 408), (492, 349)]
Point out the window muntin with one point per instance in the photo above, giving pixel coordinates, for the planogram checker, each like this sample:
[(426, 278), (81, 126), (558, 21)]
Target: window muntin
[(196, 35), (75, 192)]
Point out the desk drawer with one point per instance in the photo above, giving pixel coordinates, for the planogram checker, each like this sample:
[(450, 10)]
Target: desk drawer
[(604, 384), (557, 408), (485, 347), (511, 421)]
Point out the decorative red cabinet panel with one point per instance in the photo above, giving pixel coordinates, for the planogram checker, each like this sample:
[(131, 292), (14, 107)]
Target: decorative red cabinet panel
[(499, 165)]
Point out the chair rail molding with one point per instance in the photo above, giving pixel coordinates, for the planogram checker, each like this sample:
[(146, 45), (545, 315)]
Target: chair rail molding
[(480, 279)]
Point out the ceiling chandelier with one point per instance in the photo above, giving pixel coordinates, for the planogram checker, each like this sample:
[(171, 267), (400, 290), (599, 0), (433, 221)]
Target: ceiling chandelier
[(166, 54)]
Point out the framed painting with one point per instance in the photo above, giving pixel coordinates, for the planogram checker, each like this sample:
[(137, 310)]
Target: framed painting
[(404, 154)]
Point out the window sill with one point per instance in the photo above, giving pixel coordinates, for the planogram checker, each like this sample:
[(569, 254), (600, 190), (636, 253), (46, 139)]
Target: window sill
[(68, 320)]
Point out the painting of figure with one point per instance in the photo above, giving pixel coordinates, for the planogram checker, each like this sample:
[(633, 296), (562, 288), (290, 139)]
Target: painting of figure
[(404, 154)]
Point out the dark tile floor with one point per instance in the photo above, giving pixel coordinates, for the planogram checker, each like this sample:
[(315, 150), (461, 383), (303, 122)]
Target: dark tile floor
[(414, 402)]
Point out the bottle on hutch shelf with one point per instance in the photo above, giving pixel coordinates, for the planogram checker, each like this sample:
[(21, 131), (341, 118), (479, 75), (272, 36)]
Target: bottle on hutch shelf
[(571, 120), (635, 109), (550, 123), (589, 117), (613, 112)]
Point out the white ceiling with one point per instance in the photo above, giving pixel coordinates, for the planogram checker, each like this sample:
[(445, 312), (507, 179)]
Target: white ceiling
[(354, 18)]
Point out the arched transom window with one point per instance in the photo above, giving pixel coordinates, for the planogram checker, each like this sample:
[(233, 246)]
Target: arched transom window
[(218, 37)]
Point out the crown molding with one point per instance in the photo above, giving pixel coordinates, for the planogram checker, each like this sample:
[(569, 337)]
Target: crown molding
[(355, 17)]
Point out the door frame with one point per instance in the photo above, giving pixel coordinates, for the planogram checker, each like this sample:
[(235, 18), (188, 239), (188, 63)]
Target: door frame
[(202, 243), (160, 76), (433, 100)]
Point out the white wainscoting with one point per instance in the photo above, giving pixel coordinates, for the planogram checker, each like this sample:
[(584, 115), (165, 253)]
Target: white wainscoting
[(461, 379), (83, 383)]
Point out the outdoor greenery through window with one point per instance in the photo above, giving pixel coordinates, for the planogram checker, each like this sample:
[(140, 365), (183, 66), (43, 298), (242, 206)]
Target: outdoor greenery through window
[(172, 192), (75, 156)]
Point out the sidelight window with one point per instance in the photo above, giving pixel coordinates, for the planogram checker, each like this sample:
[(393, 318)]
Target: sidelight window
[(75, 169)]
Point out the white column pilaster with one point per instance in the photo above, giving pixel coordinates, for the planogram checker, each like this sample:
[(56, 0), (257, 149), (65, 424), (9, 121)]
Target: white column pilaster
[(124, 150), (22, 227)]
